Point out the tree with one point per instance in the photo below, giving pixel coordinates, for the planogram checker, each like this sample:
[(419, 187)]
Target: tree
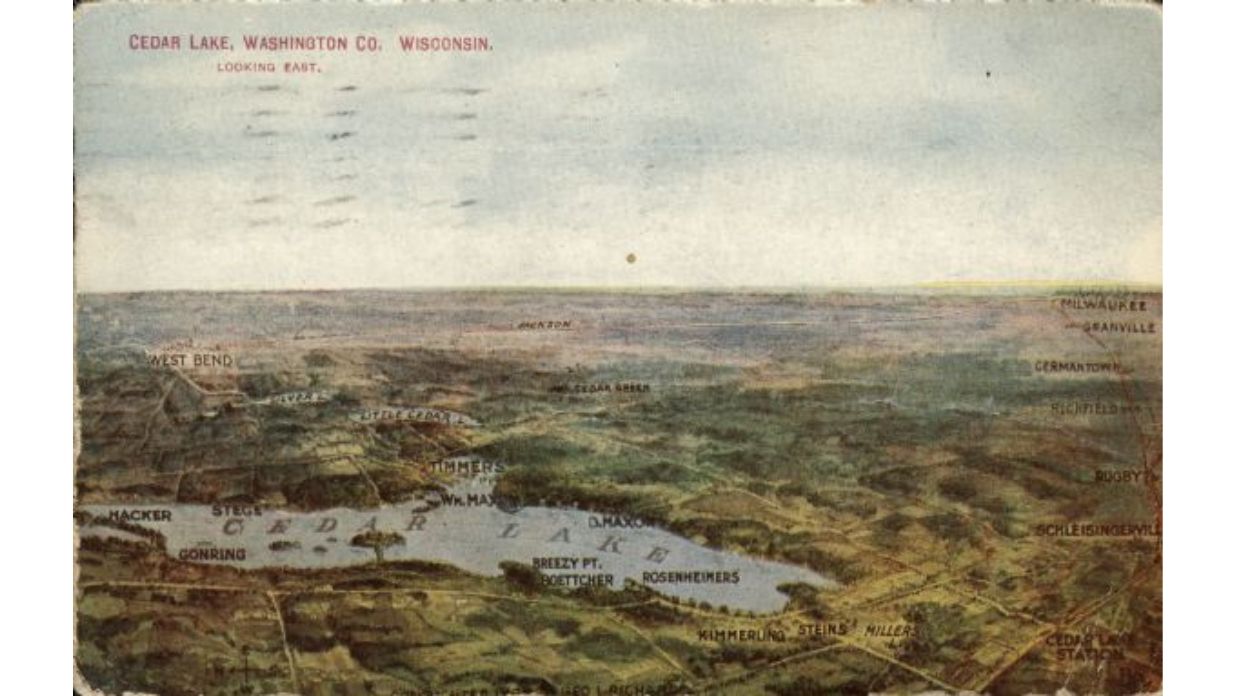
[(804, 597), (522, 576), (937, 627), (378, 541)]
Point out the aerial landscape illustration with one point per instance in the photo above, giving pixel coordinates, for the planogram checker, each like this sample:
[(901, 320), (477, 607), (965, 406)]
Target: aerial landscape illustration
[(619, 493)]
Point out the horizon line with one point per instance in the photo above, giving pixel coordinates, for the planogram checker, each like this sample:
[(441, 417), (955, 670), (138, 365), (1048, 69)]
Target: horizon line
[(1022, 285)]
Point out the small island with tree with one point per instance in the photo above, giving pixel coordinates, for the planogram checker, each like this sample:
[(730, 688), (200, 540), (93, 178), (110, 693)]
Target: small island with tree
[(378, 541)]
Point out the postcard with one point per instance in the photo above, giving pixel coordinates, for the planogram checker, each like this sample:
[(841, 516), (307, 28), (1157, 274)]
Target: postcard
[(618, 348)]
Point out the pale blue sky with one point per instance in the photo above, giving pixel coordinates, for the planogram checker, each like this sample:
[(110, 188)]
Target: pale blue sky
[(750, 145)]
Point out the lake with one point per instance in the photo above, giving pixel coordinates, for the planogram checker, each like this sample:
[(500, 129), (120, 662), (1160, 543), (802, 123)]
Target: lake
[(573, 548)]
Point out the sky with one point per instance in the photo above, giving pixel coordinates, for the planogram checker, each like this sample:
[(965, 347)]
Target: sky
[(622, 145)]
